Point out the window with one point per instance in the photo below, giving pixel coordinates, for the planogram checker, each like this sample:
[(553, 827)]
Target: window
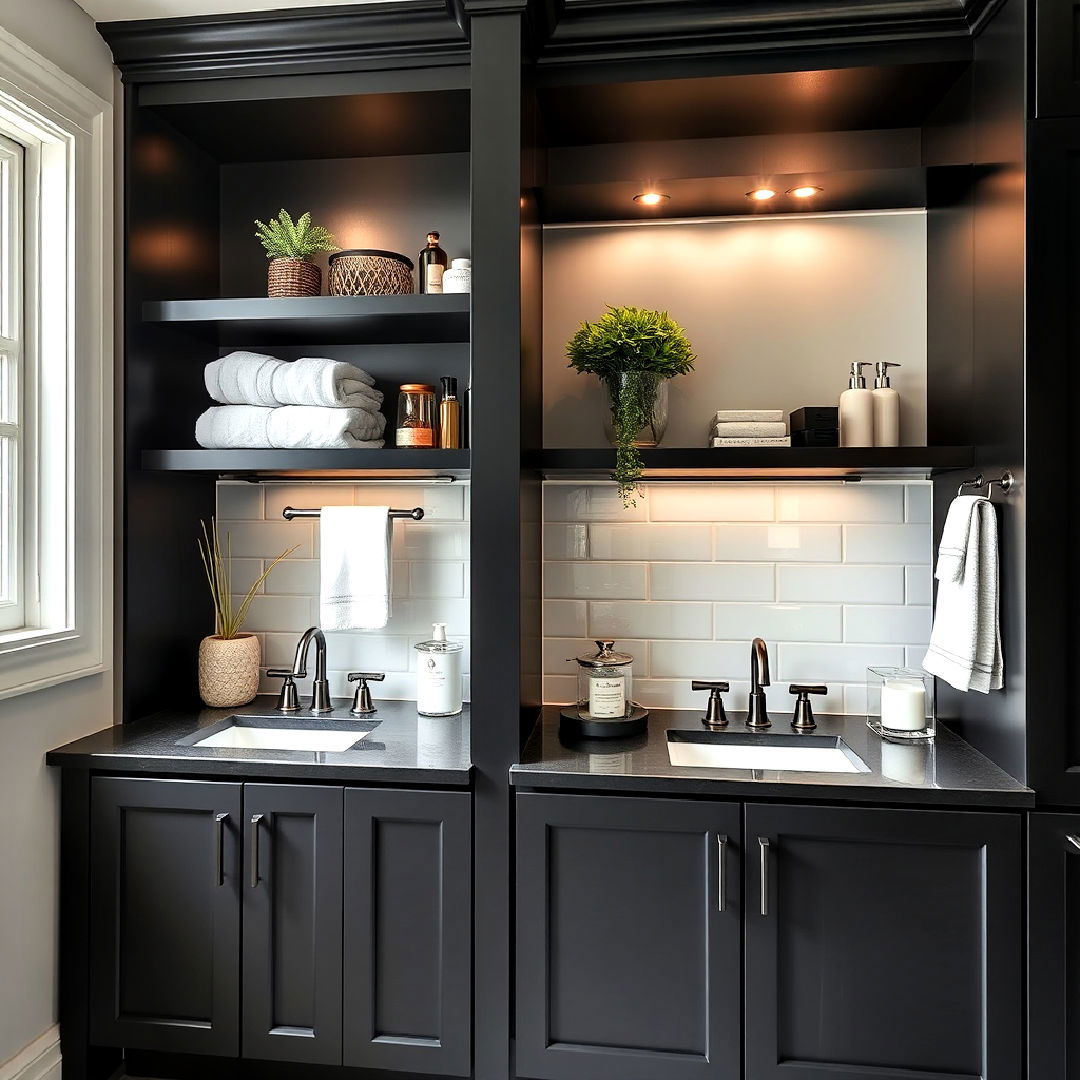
[(55, 414)]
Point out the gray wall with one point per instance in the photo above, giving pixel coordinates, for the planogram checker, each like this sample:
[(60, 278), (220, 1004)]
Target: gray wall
[(776, 309), (32, 723)]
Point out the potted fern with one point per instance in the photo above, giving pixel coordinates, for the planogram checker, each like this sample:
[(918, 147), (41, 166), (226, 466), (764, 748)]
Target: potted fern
[(228, 659), (633, 351), (289, 246)]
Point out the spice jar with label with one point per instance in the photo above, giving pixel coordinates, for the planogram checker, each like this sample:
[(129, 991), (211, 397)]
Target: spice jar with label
[(605, 707), (415, 415)]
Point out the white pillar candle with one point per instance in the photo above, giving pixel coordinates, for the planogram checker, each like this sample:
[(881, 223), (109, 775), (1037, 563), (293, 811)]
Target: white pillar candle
[(903, 705)]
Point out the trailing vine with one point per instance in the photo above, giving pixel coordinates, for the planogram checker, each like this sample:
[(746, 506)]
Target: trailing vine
[(632, 351)]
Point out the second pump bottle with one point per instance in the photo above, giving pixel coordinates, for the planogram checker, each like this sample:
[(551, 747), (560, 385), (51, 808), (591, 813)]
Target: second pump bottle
[(870, 417)]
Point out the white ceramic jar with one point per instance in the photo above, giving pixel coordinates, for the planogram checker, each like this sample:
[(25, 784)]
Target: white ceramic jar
[(458, 279)]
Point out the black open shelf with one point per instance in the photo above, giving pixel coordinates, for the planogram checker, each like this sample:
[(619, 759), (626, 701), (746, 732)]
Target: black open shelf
[(389, 461), (413, 318), (768, 462)]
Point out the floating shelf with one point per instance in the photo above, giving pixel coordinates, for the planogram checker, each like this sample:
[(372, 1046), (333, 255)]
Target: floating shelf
[(258, 464), (766, 462), (357, 320)]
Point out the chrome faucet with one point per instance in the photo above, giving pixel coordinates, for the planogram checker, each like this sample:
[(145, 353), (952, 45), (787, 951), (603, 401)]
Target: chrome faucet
[(320, 687), (758, 716)]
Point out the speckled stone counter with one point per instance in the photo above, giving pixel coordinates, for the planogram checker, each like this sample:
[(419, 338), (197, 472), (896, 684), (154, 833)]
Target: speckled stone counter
[(402, 748), (947, 773)]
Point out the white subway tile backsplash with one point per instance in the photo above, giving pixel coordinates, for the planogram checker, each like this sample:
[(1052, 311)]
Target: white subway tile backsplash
[(266, 539), (918, 502), (843, 663), (919, 585), (418, 542), (850, 502), (291, 614), (588, 502), (368, 651), (899, 625), (437, 579), (565, 618), (245, 572), (887, 544), (699, 659), (566, 541), (560, 652), (778, 622), (650, 619), (719, 502), (303, 497), (240, 501), (294, 577), (841, 584), (711, 581), (651, 542), (778, 543), (596, 580)]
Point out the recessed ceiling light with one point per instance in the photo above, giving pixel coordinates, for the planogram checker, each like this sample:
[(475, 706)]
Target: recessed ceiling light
[(651, 198), (804, 191), (761, 194)]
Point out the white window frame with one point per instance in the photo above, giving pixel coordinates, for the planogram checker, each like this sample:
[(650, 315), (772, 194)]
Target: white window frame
[(66, 373)]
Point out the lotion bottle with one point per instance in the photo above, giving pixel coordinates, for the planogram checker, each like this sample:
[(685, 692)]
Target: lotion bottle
[(438, 674), (857, 409), (886, 407)]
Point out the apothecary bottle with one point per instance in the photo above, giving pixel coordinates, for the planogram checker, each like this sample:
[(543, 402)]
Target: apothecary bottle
[(605, 683), (415, 415)]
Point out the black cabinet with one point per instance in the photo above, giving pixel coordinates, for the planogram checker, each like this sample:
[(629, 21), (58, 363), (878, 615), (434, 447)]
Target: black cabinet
[(165, 915), (293, 923), (882, 943), (408, 931), (628, 938), (1054, 947), (1057, 57)]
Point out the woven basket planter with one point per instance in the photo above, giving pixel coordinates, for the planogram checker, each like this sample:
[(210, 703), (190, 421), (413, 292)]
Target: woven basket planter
[(367, 272), (229, 670), (293, 277)]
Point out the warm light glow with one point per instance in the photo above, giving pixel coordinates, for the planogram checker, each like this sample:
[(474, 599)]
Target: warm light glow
[(761, 194), (804, 191), (651, 198)]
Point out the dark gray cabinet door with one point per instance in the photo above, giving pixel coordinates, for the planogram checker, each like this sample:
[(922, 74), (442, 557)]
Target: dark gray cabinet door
[(292, 923), (628, 938), (408, 939), (165, 915), (1057, 58), (1054, 946), (882, 943)]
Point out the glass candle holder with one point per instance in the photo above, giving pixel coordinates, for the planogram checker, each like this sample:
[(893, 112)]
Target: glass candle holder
[(900, 704)]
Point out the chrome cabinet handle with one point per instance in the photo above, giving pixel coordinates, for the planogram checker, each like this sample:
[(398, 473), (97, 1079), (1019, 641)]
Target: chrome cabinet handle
[(1074, 840), (255, 819), (721, 872), (763, 847), (219, 848)]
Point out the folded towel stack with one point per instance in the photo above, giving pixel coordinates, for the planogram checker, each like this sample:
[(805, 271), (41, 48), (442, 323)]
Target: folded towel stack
[(749, 427), (306, 404)]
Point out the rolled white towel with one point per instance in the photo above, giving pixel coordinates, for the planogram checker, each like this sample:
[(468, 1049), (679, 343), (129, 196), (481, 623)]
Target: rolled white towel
[(750, 430), (300, 427), (234, 427), (242, 378), (328, 383), (759, 416)]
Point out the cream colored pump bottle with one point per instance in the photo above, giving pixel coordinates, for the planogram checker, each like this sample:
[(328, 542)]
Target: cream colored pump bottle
[(857, 409), (886, 407)]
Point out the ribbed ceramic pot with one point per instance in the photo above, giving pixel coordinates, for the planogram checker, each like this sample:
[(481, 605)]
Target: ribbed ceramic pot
[(229, 670), (293, 277)]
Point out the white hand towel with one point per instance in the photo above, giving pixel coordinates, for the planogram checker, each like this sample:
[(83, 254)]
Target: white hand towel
[(965, 644), (234, 427), (758, 416), (329, 383), (355, 564), (768, 441), (242, 378), (750, 430), (291, 427)]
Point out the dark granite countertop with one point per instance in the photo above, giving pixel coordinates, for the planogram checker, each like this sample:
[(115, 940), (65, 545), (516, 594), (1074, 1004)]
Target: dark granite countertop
[(947, 773), (399, 747)]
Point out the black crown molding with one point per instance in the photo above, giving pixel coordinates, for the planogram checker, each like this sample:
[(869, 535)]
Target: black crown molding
[(412, 33), (601, 30)]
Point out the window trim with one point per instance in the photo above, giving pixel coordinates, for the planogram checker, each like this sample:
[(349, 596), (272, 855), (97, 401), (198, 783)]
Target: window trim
[(73, 128)]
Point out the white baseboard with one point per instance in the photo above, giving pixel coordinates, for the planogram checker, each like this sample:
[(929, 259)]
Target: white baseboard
[(38, 1061)]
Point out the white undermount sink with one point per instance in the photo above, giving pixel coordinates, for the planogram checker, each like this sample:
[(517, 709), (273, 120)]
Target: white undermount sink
[(282, 738), (774, 753)]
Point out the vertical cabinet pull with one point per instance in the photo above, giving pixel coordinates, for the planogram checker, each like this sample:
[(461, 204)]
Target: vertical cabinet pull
[(763, 847), (721, 872), (219, 848), (255, 819), (1074, 841)]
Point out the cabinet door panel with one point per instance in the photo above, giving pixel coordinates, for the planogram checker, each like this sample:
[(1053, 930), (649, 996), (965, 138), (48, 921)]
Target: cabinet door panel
[(165, 915), (292, 923), (627, 961), (889, 944), (1057, 73), (408, 931), (1054, 946)]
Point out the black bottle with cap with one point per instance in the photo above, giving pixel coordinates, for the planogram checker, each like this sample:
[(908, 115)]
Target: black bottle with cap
[(431, 264)]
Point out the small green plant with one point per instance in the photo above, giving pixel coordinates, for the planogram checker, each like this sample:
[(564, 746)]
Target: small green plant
[(632, 350), (228, 621), (285, 239)]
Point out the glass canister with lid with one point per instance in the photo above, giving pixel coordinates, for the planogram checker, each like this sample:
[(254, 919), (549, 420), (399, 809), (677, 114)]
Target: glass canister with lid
[(605, 705), (416, 423)]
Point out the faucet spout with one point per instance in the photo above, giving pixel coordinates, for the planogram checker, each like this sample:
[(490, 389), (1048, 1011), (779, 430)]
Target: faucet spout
[(320, 687), (757, 715)]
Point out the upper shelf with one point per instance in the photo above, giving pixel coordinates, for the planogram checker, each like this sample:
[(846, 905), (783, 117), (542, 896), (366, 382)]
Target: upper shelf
[(370, 464), (767, 462), (303, 320)]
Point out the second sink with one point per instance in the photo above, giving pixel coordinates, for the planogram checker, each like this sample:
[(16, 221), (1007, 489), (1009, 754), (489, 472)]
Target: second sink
[(776, 753)]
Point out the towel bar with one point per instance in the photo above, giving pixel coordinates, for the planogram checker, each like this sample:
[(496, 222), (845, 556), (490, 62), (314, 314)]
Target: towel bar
[(290, 512), (1006, 482)]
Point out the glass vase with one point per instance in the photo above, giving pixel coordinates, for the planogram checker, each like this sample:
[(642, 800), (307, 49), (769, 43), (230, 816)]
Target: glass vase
[(642, 398)]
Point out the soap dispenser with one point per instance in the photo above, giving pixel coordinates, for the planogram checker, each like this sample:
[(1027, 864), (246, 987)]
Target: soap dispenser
[(886, 407), (857, 409)]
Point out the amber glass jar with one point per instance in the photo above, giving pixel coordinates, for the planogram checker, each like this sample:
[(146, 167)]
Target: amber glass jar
[(416, 415)]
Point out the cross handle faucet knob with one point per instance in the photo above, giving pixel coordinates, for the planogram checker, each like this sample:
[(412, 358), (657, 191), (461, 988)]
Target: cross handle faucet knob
[(715, 716)]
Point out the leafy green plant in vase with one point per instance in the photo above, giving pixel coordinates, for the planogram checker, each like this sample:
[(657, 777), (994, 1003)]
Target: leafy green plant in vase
[(228, 659), (633, 351), (289, 246)]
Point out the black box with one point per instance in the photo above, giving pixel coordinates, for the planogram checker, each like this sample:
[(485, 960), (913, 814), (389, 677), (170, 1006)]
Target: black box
[(816, 437), (815, 418)]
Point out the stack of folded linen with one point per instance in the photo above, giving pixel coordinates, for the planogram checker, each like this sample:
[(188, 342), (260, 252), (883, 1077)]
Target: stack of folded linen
[(312, 403), (749, 427)]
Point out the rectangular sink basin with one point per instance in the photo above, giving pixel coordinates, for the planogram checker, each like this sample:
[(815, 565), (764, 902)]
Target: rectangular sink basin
[(282, 738), (774, 753)]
